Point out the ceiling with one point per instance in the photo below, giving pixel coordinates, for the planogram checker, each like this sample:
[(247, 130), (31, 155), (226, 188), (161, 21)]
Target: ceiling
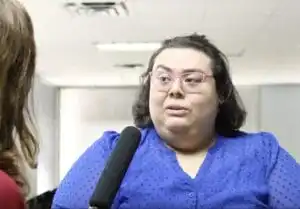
[(261, 38)]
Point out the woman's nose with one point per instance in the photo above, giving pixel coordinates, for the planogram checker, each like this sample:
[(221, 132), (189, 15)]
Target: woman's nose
[(176, 89)]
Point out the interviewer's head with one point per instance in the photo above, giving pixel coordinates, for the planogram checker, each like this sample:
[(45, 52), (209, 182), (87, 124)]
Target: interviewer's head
[(17, 68), (188, 73)]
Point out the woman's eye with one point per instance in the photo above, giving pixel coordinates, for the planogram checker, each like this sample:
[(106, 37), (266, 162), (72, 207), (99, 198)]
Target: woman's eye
[(164, 78), (194, 80)]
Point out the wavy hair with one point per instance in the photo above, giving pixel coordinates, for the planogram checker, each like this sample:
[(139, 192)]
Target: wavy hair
[(17, 68)]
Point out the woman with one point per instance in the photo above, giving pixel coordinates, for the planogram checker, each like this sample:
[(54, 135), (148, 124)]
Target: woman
[(192, 154), (17, 66)]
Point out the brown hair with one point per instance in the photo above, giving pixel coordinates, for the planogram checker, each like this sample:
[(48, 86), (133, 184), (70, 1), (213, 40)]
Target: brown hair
[(17, 68), (232, 113)]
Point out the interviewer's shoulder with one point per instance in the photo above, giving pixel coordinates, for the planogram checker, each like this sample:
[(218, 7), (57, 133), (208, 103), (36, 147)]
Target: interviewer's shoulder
[(10, 194)]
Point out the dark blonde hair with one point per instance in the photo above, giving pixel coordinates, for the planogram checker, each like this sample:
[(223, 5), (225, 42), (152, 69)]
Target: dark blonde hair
[(17, 68)]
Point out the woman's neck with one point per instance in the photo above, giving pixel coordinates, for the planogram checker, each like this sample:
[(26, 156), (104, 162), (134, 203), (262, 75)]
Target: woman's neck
[(191, 142)]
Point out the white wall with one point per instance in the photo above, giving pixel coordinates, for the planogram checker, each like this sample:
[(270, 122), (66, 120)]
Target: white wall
[(280, 113), (45, 112), (251, 97)]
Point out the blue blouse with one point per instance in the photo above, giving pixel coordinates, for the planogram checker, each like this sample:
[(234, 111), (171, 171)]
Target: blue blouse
[(250, 171)]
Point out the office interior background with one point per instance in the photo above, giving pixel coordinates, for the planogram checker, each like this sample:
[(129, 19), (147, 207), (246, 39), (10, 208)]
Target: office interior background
[(91, 53)]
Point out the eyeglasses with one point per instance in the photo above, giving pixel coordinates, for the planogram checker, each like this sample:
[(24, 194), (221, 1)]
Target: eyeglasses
[(190, 82)]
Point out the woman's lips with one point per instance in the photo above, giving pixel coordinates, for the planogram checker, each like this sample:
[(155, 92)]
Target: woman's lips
[(176, 110)]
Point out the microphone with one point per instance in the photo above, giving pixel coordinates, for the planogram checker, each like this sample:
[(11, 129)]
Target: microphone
[(115, 169)]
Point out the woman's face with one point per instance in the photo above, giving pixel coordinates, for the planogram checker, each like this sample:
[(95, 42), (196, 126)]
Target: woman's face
[(182, 91)]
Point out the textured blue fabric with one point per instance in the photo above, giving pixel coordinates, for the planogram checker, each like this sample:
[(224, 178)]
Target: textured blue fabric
[(250, 171)]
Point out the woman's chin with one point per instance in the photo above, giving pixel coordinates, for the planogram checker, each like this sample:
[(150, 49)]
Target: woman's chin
[(176, 124)]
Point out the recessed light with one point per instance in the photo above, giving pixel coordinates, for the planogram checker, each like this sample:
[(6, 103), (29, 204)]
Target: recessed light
[(128, 46), (130, 65)]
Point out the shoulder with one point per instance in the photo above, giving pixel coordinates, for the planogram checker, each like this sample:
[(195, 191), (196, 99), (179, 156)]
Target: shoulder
[(264, 141), (95, 153), (100, 150), (102, 147), (263, 146), (78, 185), (103, 144), (258, 140), (10, 194)]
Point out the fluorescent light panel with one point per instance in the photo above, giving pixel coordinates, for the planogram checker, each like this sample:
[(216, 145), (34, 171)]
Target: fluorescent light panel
[(128, 46)]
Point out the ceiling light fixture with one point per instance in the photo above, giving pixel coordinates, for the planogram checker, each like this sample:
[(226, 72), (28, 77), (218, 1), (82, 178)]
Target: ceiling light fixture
[(128, 46), (130, 65)]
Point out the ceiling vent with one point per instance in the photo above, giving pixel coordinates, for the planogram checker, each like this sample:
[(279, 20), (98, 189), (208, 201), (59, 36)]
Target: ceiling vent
[(113, 8)]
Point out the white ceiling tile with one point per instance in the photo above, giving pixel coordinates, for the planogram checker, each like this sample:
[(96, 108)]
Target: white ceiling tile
[(278, 40)]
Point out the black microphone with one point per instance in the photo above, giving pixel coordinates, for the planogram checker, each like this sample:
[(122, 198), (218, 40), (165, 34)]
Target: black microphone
[(115, 169)]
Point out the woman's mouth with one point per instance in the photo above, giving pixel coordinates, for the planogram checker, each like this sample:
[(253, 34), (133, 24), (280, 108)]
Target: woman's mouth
[(176, 110)]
